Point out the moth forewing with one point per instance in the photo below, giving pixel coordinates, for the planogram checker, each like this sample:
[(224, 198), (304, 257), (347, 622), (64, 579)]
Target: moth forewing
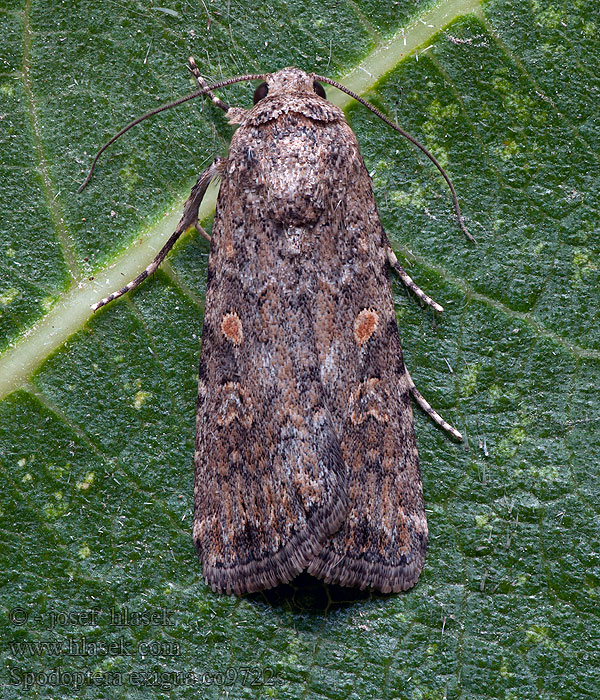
[(306, 455), (305, 452)]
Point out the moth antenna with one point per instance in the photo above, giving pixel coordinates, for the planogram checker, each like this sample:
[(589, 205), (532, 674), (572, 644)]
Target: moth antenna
[(205, 91), (412, 139)]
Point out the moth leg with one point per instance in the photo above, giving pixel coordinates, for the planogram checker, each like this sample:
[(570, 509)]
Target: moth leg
[(189, 218), (408, 282), (234, 114), (202, 84), (435, 417)]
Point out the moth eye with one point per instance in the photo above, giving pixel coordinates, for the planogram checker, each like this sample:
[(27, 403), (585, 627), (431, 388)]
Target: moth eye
[(319, 89), (260, 92)]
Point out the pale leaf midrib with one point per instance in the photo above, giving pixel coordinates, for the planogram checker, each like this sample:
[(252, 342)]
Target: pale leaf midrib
[(72, 311)]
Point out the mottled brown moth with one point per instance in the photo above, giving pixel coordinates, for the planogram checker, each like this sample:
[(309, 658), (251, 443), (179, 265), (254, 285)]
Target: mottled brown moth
[(305, 452)]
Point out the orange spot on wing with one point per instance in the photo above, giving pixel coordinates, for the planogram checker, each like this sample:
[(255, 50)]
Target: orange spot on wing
[(365, 325), (231, 327)]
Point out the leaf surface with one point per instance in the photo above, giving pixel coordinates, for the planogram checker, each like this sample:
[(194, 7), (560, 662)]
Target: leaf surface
[(97, 416)]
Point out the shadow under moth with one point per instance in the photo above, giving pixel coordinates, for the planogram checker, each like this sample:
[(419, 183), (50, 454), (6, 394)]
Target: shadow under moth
[(305, 452)]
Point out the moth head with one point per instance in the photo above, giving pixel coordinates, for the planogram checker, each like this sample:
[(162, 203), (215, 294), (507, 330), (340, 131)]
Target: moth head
[(288, 80)]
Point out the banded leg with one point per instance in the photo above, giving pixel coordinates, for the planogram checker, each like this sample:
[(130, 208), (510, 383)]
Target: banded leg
[(202, 84), (189, 218), (435, 417), (235, 115), (408, 282)]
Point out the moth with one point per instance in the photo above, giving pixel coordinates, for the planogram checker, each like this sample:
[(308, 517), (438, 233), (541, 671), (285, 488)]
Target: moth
[(305, 450)]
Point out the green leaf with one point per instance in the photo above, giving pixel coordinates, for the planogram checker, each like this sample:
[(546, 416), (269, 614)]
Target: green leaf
[(97, 416)]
